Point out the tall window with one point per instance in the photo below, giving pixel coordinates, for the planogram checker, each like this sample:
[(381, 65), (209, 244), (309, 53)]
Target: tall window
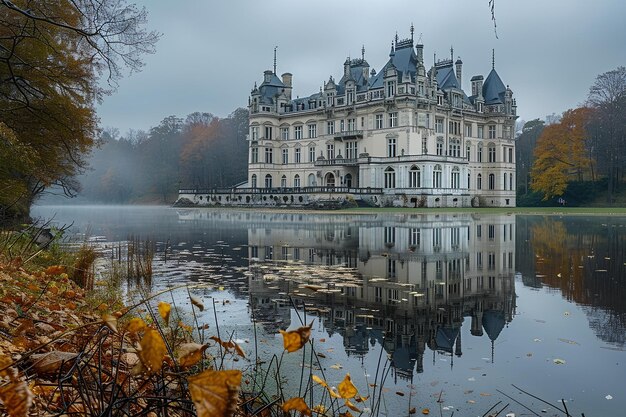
[(297, 155), (390, 178), (479, 155), (342, 125), (414, 236), (492, 131), (311, 153), (492, 152), (511, 155), (351, 125), (330, 127), (296, 181), (351, 150), (511, 182), (415, 177), (311, 180), (468, 129), (254, 132), (479, 182), (455, 178), (268, 181), (269, 155), (297, 132), (391, 88), (284, 133), (283, 181), (468, 151), (330, 151), (437, 176), (312, 130), (253, 181), (391, 147), (438, 125), (254, 158), (378, 121), (454, 148), (268, 132), (393, 119), (480, 132), (504, 182), (439, 146), (285, 154), (492, 181)]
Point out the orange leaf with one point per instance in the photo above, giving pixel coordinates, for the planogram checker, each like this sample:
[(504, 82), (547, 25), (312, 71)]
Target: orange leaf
[(55, 270), (110, 321), (346, 388), (215, 393), (298, 404), (319, 380), (164, 311), (190, 353), (229, 345), (197, 302), (346, 414), (135, 325), (425, 411), (295, 339), (16, 397), (352, 406), (152, 351)]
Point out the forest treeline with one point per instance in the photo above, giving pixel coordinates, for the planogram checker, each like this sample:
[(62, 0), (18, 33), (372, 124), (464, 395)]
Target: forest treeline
[(575, 157), (199, 151)]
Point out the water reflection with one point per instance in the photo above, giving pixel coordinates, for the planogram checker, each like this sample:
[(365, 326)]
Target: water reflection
[(583, 258)]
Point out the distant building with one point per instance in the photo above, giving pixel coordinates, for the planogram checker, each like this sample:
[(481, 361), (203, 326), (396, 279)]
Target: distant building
[(402, 136)]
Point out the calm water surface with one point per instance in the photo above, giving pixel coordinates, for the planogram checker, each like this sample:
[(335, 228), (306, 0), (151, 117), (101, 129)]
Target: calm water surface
[(450, 310)]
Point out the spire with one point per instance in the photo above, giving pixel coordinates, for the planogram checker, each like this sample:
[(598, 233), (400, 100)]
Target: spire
[(363, 52), (412, 32), (451, 53), (396, 38), (493, 59), (391, 53), (276, 47)]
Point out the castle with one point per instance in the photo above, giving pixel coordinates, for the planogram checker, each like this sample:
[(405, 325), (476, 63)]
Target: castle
[(402, 136)]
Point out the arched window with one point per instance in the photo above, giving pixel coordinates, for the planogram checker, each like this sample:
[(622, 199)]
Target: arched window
[(283, 181), (479, 182), (479, 152), (390, 178), (296, 181), (437, 176), (415, 177), (348, 180), (253, 181), (268, 181), (454, 148), (492, 181), (311, 180), (329, 180), (455, 178), (468, 150)]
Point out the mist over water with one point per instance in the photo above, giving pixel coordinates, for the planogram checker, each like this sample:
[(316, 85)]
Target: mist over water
[(450, 309)]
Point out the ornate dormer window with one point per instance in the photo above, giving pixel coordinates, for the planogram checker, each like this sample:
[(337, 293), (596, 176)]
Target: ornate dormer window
[(391, 88)]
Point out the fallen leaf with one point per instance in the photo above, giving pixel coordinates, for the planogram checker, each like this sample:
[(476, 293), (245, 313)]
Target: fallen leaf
[(336, 366), (400, 393), (425, 411), (215, 393), (16, 397), (50, 363), (110, 322), (197, 302), (297, 404)]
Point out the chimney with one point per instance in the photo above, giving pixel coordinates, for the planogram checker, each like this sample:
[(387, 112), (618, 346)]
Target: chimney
[(420, 52), (459, 67), (477, 85), (287, 80), (267, 76)]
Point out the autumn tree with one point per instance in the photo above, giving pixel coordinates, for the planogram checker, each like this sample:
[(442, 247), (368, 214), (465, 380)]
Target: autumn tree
[(607, 127), (561, 154), (54, 56)]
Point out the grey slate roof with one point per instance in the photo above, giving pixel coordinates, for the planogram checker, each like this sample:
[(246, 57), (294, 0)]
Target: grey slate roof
[(493, 323), (403, 59), (493, 89), (270, 89), (446, 78)]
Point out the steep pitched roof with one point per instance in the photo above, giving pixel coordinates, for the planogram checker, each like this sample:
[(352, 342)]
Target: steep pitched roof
[(270, 89), (446, 78), (403, 58), (493, 89)]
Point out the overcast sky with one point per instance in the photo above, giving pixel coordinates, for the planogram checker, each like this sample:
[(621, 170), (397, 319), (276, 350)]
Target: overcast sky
[(212, 52)]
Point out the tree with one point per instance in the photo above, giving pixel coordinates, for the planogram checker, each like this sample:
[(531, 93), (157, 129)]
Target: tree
[(53, 55), (607, 98), (561, 154), (524, 153)]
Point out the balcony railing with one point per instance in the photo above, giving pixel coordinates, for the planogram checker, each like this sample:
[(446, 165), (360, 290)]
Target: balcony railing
[(336, 161), (349, 134), (285, 190)]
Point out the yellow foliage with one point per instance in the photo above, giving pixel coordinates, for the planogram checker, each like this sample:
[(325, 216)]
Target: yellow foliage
[(190, 354), (346, 388), (215, 393), (164, 311), (294, 340), (152, 351), (135, 325), (297, 404)]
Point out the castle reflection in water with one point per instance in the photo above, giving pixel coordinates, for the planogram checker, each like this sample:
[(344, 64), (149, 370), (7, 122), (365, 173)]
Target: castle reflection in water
[(407, 281)]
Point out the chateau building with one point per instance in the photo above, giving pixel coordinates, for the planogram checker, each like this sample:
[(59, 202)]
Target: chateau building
[(402, 136)]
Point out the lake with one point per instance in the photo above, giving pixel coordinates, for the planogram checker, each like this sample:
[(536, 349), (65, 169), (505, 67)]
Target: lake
[(457, 313)]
